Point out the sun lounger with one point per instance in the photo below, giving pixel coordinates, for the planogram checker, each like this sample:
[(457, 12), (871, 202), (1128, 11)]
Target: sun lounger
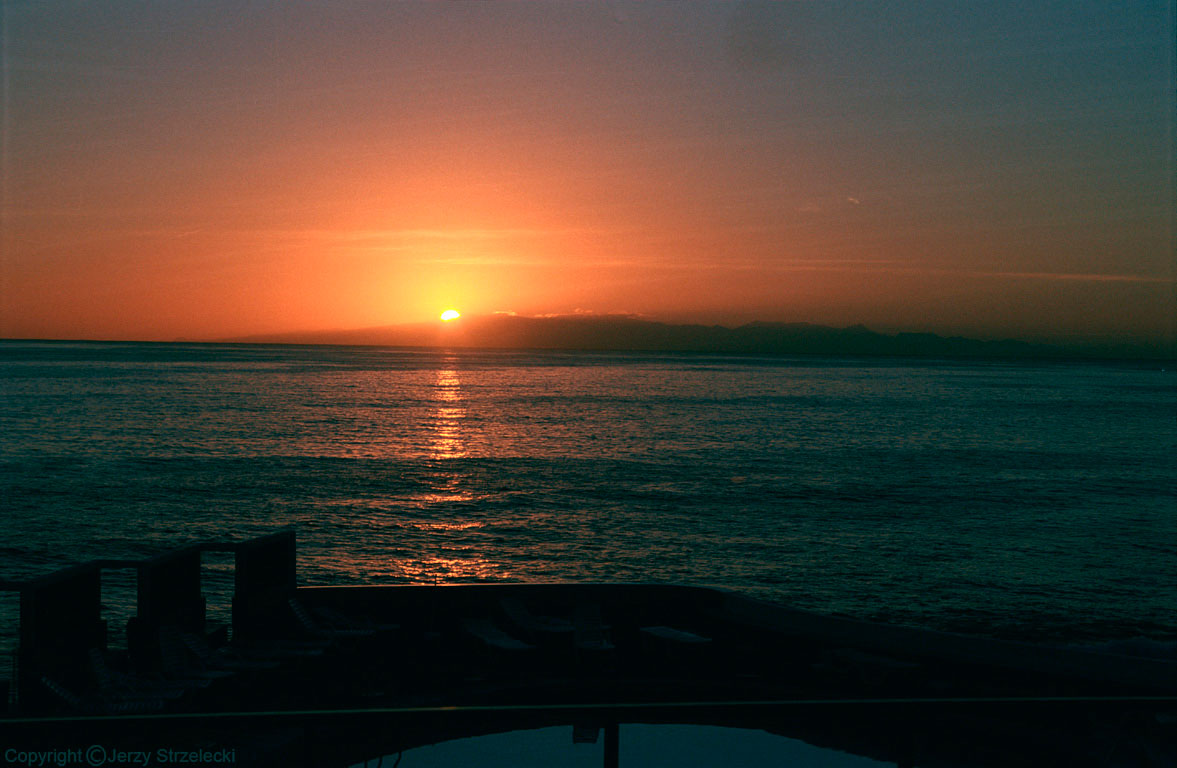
[(221, 659), (280, 648), (116, 684), (273, 641), (178, 663), (73, 702), (337, 620), (286, 651), (519, 615), (493, 637), (676, 636), (315, 629), (105, 705)]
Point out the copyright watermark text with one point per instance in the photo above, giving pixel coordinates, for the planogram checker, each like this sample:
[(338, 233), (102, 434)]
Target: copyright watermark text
[(97, 755)]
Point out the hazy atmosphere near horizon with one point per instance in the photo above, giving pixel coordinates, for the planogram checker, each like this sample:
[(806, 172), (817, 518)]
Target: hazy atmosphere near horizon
[(218, 169)]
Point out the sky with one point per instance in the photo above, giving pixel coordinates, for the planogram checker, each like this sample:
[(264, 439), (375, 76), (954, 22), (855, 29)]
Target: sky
[(212, 169)]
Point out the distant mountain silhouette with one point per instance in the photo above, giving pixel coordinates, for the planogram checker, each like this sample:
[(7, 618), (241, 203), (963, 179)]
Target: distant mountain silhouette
[(626, 333)]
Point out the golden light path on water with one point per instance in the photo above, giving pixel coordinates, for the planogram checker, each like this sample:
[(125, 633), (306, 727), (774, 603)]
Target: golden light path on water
[(452, 561), (447, 416)]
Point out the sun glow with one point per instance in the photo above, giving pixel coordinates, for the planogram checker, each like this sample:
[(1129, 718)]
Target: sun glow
[(450, 314)]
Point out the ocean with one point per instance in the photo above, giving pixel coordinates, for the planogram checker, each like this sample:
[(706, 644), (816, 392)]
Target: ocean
[(1035, 501)]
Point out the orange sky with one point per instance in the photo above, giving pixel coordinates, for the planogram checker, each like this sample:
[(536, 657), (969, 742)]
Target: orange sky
[(211, 169)]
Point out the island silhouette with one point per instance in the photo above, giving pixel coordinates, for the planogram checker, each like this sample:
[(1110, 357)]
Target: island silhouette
[(628, 333)]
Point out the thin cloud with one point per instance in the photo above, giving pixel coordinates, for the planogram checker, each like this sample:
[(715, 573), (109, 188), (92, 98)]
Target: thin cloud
[(889, 266), (1092, 277), (582, 312), (1079, 276), (455, 234)]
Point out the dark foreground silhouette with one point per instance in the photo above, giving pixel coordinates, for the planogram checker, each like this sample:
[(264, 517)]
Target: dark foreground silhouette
[(332, 676)]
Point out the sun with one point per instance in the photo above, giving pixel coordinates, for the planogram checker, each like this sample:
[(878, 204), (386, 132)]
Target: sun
[(450, 314)]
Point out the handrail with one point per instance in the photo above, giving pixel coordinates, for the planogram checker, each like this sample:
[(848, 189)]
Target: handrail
[(11, 585)]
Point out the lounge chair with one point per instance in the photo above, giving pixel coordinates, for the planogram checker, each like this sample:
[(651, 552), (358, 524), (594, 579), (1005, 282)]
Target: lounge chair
[(493, 637), (673, 635), (280, 648), (178, 663), (72, 701), (527, 621), (104, 705), (113, 683), (337, 620), (277, 638), (315, 629), (220, 658)]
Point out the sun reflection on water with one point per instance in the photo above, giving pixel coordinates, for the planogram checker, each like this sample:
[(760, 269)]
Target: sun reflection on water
[(447, 416), (444, 525), (442, 568), (452, 560), (449, 493)]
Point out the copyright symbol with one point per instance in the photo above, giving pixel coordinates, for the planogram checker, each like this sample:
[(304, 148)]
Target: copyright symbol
[(96, 755)]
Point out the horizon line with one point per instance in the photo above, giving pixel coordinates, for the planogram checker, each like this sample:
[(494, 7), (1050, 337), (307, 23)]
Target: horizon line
[(1086, 346)]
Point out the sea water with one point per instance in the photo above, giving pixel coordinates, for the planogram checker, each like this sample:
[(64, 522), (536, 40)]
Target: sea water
[(1016, 499)]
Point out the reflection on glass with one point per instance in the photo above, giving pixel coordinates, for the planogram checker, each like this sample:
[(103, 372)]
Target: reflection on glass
[(636, 744)]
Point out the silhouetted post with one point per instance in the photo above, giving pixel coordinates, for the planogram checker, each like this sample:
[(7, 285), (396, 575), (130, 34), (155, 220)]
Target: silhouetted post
[(264, 579), (612, 753), (60, 621)]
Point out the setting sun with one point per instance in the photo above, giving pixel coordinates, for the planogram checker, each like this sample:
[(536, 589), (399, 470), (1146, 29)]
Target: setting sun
[(450, 314)]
